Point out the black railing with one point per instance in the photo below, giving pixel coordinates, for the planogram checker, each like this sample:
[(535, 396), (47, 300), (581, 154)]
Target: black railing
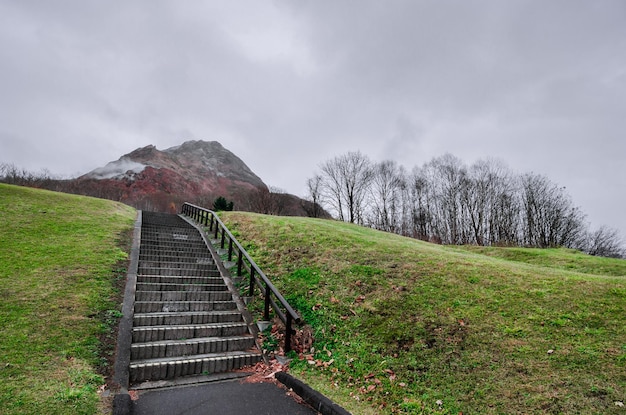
[(227, 241)]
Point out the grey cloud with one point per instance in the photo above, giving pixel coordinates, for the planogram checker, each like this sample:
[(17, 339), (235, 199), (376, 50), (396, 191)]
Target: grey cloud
[(286, 85)]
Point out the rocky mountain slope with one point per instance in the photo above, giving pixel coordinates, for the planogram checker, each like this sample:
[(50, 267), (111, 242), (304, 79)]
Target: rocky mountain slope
[(195, 171)]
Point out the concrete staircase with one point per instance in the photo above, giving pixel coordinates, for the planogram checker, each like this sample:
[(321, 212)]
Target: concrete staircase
[(185, 321)]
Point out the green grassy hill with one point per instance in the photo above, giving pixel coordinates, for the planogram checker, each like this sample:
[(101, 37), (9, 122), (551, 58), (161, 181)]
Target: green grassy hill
[(404, 326), (60, 258)]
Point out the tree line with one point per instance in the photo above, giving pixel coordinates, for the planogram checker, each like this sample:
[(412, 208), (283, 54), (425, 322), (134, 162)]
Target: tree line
[(449, 202)]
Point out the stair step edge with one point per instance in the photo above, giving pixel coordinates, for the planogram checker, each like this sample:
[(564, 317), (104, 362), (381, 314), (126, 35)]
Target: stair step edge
[(221, 355)]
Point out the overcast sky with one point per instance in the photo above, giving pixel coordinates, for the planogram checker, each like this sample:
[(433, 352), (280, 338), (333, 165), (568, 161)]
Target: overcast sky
[(286, 85)]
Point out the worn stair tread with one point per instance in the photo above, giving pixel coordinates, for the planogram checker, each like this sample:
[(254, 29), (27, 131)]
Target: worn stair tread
[(186, 313), (214, 289), (176, 265), (191, 326), (194, 340), (187, 295), (177, 272), (220, 355), (176, 306), (172, 279), (191, 259), (169, 286), (146, 334), (185, 317), (191, 347), (174, 368)]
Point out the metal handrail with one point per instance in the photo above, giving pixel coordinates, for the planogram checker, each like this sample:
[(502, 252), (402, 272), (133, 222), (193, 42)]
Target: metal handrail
[(210, 219)]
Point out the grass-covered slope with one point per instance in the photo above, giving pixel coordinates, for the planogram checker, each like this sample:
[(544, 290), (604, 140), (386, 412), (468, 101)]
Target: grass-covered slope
[(58, 255), (403, 326)]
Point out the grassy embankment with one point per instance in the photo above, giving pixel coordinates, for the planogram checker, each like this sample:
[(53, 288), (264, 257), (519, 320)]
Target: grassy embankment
[(60, 257), (403, 326)]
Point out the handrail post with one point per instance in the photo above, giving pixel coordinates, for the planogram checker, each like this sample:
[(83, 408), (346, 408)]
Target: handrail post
[(230, 249), (266, 311), (288, 333), (251, 290), (239, 262), (222, 243), (211, 227)]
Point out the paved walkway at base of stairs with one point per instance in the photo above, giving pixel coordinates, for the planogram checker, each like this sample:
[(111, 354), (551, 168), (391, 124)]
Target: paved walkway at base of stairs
[(224, 398)]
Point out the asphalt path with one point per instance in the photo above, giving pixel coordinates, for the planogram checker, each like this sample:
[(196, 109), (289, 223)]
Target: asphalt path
[(231, 397)]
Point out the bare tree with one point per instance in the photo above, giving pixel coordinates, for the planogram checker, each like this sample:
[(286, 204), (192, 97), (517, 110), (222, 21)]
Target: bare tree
[(386, 191), (314, 189), (421, 216), (605, 242), (346, 182), (448, 175), (550, 219), (488, 201)]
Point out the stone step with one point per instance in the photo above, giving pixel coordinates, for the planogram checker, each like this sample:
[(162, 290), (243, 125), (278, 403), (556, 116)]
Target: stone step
[(197, 346), (199, 258), (172, 368), (171, 232), (176, 296), (173, 240), (200, 263), (146, 286), (178, 318), (178, 227), (181, 272), (176, 306), (145, 334), (205, 258), (174, 247), (212, 278), (178, 265)]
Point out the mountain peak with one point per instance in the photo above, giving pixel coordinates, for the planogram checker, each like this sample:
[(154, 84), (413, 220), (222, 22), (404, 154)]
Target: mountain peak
[(193, 168), (195, 171)]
